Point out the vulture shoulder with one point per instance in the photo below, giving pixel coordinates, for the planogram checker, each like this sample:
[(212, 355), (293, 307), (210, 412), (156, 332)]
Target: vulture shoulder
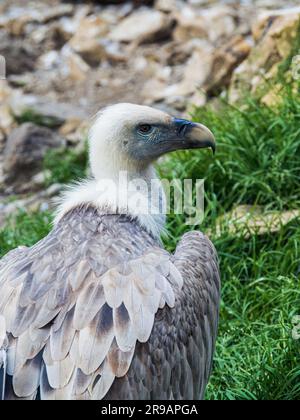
[(176, 361), (98, 309)]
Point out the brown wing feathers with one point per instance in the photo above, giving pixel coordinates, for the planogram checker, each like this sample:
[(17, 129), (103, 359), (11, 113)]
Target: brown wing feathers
[(175, 362), (76, 303)]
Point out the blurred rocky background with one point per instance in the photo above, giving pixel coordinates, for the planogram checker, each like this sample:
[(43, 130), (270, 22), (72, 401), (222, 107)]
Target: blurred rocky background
[(67, 59)]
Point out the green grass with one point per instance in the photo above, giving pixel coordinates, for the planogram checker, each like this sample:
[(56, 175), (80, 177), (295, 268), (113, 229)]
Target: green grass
[(24, 229), (258, 155), (257, 162), (65, 166), (256, 357), (30, 115)]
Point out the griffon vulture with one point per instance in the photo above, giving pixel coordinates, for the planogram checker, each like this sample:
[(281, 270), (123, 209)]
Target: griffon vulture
[(98, 309)]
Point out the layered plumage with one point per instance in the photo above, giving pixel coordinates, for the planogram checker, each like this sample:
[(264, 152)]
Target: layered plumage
[(98, 309)]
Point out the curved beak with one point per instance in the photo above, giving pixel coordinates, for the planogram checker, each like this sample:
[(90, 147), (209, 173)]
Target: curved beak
[(176, 134), (192, 135)]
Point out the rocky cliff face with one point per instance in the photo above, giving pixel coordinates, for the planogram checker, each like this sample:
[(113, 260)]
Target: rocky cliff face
[(276, 36), (65, 60)]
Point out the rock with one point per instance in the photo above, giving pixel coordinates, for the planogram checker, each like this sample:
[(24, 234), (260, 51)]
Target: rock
[(17, 18), (53, 190), (179, 52), (114, 52), (7, 122), (55, 13), (114, 13), (211, 24), (275, 35), (154, 91), (51, 36), (267, 18), (199, 99), (195, 73), (75, 131), (144, 25), (19, 56), (273, 97), (202, 3), (169, 6), (119, 2), (41, 201), (60, 31), (65, 29), (24, 151), (49, 61), (248, 220), (91, 50), (43, 111), (78, 69), (87, 39), (296, 67), (70, 126), (40, 178), (190, 24), (221, 22), (14, 26), (65, 62), (225, 61)]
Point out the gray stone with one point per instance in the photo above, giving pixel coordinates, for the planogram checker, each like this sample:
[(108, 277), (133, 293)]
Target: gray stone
[(53, 114), (24, 151), (19, 56), (142, 26)]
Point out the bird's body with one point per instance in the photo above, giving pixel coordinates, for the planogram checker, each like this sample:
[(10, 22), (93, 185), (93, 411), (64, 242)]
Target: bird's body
[(98, 309)]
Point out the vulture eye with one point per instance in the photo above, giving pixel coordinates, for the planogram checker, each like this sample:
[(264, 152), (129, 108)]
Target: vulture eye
[(144, 128)]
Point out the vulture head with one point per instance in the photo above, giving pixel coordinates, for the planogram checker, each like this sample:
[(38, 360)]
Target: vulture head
[(127, 138), (130, 137)]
